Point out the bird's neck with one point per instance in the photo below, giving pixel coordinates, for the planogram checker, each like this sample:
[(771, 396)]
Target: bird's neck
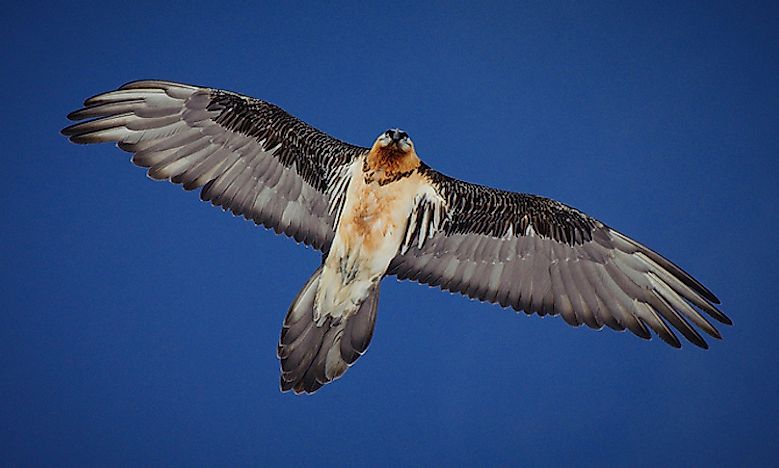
[(388, 164)]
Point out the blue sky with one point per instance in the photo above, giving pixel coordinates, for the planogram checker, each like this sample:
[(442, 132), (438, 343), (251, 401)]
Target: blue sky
[(139, 324)]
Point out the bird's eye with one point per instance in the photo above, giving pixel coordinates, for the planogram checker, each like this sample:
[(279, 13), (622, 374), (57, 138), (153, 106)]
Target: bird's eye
[(403, 135)]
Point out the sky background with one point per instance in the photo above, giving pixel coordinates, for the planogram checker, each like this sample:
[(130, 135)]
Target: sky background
[(139, 324)]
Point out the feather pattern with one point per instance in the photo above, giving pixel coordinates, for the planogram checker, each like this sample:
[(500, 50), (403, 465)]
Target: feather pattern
[(247, 155), (540, 256)]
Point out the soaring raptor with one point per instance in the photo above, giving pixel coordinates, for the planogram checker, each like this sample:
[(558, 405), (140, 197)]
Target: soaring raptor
[(380, 211)]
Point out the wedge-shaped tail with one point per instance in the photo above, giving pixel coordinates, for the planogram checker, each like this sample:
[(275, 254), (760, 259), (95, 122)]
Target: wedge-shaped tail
[(311, 355)]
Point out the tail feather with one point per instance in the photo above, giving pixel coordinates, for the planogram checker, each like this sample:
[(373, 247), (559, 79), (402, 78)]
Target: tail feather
[(359, 328), (313, 355)]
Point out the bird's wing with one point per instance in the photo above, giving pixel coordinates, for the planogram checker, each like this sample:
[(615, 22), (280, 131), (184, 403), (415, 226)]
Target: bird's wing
[(540, 256), (249, 156)]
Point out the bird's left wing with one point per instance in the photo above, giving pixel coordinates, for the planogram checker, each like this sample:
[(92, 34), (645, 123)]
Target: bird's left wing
[(249, 156), (541, 256)]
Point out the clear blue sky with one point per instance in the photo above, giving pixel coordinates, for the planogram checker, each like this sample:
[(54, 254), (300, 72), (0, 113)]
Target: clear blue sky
[(139, 324)]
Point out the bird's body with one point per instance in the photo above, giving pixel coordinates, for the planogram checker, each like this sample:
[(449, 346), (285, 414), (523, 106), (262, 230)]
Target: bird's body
[(379, 211), (369, 232)]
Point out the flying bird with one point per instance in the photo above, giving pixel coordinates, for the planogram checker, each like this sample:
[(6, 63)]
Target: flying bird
[(380, 211)]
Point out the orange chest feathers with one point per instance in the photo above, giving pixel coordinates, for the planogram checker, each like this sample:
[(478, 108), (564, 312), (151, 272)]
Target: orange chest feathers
[(378, 204), (387, 165)]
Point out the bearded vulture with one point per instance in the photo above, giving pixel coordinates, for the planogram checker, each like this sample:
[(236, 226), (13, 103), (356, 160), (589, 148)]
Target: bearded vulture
[(380, 211)]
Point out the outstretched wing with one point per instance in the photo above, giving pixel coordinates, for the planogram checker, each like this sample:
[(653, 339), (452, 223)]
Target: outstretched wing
[(541, 256), (249, 156)]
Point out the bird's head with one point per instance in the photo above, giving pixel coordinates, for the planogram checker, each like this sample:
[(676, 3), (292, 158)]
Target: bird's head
[(394, 140)]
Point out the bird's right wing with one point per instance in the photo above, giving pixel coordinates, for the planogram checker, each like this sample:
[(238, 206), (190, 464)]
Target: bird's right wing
[(249, 156), (540, 256)]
